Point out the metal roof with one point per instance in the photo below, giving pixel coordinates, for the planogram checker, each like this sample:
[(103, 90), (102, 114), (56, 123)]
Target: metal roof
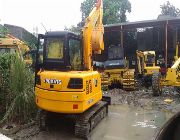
[(141, 24), (59, 33)]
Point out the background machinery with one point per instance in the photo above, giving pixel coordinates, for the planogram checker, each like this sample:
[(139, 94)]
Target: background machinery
[(146, 66), (72, 89), (117, 70), (115, 65), (11, 44), (167, 76)]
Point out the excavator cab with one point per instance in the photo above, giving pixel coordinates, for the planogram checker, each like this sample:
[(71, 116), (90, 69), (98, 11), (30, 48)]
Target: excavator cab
[(150, 59), (61, 51)]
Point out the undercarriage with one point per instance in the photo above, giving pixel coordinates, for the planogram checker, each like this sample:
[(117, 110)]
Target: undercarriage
[(84, 123)]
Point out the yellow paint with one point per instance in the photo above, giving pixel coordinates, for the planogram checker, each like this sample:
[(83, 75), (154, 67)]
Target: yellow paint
[(61, 99), (115, 75), (143, 67), (93, 35), (168, 100)]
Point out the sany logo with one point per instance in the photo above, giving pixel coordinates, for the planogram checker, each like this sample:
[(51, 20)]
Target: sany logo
[(52, 81)]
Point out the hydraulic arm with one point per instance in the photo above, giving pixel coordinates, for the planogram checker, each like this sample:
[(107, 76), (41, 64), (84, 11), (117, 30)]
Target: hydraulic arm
[(93, 35)]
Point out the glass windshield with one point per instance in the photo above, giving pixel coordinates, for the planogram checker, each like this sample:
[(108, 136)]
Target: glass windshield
[(150, 58), (55, 48), (115, 52), (75, 54)]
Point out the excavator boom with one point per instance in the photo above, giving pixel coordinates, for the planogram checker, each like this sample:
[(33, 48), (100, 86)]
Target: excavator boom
[(93, 34)]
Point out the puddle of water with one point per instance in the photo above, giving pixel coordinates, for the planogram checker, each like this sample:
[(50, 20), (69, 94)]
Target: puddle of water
[(129, 123)]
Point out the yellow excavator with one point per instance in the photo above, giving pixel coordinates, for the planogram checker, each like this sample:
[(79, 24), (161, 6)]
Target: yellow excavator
[(167, 76), (68, 88), (11, 44), (146, 66)]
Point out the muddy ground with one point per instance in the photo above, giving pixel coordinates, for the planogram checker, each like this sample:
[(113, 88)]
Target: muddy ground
[(136, 112), (144, 98)]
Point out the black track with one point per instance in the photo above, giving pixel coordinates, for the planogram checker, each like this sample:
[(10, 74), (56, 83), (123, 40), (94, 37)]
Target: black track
[(84, 122)]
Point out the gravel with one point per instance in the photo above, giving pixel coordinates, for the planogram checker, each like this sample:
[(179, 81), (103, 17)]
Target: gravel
[(144, 98)]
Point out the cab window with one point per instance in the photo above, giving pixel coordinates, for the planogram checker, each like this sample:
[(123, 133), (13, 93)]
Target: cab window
[(75, 54), (55, 48)]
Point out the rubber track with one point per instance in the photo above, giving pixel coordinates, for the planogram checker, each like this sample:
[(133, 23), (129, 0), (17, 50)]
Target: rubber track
[(84, 123), (89, 119)]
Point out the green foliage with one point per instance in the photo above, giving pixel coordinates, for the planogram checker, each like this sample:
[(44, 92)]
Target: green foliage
[(16, 90), (4, 81), (114, 10), (3, 31), (74, 29), (30, 39), (168, 9)]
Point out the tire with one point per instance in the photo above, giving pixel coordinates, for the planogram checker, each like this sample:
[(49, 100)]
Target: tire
[(147, 81), (138, 84), (156, 87)]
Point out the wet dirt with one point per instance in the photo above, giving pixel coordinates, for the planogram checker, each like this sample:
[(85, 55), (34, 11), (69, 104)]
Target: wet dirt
[(133, 115)]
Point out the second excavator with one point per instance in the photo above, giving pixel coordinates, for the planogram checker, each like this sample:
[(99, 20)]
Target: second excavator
[(146, 66)]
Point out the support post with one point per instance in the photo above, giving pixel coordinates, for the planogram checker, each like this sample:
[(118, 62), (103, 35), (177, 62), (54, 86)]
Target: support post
[(122, 37), (166, 43)]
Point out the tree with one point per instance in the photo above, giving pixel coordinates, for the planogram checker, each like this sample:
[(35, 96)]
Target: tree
[(3, 31), (114, 10), (168, 9), (75, 29)]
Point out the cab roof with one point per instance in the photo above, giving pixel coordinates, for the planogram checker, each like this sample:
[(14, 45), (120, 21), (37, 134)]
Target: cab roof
[(60, 33)]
